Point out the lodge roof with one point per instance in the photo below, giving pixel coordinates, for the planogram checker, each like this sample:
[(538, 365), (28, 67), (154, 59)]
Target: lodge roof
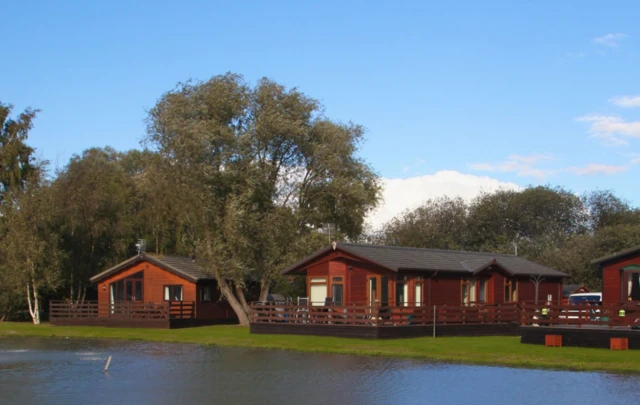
[(617, 255), (182, 266), (397, 258)]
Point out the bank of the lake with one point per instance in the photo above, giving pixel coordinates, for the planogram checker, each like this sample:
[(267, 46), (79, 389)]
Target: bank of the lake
[(496, 350)]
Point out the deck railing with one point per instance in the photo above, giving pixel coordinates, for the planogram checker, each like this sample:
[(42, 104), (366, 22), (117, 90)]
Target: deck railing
[(508, 313), (601, 315), (384, 316), (127, 310)]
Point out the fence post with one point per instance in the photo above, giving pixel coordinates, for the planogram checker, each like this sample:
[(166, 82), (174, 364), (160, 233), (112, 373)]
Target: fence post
[(435, 316)]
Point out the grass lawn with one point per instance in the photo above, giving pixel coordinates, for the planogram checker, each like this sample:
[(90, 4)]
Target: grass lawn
[(506, 351)]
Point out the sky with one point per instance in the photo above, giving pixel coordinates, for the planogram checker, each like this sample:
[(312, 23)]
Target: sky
[(456, 97)]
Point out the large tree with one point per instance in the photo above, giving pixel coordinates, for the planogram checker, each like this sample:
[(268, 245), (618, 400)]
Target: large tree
[(256, 169), (95, 199), (17, 162)]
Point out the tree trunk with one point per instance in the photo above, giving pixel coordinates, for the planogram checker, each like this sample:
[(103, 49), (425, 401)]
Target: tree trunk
[(33, 304), (264, 290), (242, 299), (243, 315)]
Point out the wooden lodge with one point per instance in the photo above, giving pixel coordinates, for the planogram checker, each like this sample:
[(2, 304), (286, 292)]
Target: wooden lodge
[(355, 274), (149, 291), (620, 276), (371, 291)]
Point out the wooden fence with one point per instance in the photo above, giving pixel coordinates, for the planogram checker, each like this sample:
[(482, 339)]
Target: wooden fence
[(383, 316), (126, 310), (510, 313), (603, 315)]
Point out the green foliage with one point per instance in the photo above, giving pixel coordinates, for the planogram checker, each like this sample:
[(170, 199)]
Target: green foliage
[(17, 163), (258, 169), (551, 226)]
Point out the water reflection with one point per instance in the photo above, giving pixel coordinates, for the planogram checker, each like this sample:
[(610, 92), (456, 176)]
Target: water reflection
[(53, 371)]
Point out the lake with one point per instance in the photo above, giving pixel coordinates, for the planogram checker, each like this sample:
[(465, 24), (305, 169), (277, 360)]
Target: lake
[(69, 371)]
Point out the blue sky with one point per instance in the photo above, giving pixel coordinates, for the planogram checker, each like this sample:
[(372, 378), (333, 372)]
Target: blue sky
[(536, 93)]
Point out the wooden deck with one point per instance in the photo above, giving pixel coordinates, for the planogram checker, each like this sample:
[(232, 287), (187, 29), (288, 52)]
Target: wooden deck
[(360, 321), (164, 315), (365, 322)]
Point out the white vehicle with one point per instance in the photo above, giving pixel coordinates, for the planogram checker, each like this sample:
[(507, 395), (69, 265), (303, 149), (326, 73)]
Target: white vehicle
[(585, 298), (591, 299)]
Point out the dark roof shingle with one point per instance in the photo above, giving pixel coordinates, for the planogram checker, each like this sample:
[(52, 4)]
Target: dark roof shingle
[(398, 258), (617, 255), (183, 266)]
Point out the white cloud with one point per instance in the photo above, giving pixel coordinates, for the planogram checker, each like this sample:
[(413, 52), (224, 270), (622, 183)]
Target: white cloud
[(596, 168), (610, 40), (626, 101), (635, 161), (611, 129), (521, 165), (399, 195)]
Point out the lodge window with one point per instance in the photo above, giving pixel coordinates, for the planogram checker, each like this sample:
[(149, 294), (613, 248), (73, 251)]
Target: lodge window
[(468, 292), (337, 291), (632, 287), (418, 292), (510, 294), (127, 289), (482, 291), (205, 293), (402, 291), (173, 292), (317, 290)]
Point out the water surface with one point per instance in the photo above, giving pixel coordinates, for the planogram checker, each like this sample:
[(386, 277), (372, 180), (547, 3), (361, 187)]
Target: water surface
[(59, 371)]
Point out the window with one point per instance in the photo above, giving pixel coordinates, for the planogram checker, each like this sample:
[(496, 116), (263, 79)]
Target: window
[(373, 291), (318, 290), (402, 292), (466, 296), (205, 293), (127, 289), (173, 293), (482, 293), (633, 286), (510, 294), (418, 294), (337, 291)]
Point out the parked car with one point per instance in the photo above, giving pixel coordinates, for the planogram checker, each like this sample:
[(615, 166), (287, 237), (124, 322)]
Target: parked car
[(591, 299)]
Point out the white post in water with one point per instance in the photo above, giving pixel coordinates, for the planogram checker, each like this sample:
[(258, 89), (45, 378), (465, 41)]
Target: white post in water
[(434, 321), (107, 366)]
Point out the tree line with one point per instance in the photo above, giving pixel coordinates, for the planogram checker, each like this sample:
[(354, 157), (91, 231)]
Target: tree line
[(548, 225), (243, 177)]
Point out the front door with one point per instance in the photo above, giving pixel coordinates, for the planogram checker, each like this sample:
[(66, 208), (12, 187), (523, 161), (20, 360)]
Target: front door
[(377, 290)]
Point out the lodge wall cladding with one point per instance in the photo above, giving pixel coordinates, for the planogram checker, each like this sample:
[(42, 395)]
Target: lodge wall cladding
[(611, 279), (155, 278), (445, 290), (527, 290)]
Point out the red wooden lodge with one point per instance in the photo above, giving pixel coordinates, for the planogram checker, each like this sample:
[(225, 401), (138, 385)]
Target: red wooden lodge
[(620, 276), (149, 291), (352, 287), (371, 275)]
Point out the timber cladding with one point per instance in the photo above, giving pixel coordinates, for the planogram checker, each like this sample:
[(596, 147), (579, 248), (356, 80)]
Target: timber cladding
[(612, 279)]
